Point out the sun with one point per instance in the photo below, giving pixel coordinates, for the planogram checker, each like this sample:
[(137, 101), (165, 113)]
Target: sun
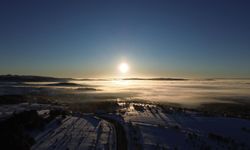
[(123, 67)]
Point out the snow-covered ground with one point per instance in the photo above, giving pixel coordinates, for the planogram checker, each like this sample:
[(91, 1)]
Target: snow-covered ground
[(146, 126), (8, 110), (150, 127), (71, 133)]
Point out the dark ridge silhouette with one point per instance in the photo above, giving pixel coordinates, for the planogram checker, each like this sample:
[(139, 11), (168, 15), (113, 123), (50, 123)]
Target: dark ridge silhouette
[(91, 79), (87, 89), (24, 78), (64, 84), (160, 79), (30, 78)]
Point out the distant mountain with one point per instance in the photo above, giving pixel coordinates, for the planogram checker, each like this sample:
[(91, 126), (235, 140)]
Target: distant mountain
[(64, 84), (160, 79), (28, 78), (24, 78)]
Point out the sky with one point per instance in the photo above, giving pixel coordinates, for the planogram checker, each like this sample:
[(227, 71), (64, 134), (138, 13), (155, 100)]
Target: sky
[(156, 38)]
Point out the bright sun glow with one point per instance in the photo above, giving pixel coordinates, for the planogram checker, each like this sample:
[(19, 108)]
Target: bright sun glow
[(123, 67)]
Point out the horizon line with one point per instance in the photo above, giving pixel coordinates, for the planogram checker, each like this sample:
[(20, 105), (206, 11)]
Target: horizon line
[(125, 78)]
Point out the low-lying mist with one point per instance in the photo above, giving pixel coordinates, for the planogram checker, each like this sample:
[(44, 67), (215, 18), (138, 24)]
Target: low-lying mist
[(183, 92)]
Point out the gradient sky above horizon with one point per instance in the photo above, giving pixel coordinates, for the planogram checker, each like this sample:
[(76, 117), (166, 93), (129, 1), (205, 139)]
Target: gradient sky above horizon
[(157, 38)]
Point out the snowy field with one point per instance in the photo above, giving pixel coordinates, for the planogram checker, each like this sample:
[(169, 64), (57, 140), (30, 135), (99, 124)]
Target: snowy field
[(147, 126), (8, 110), (151, 127), (72, 133)]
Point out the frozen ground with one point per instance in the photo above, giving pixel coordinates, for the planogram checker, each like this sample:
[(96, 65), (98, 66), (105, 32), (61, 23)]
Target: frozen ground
[(152, 127), (8, 110), (72, 133), (146, 126)]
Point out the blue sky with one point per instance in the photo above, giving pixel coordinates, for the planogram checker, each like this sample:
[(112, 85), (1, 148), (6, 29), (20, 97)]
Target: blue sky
[(157, 38)]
